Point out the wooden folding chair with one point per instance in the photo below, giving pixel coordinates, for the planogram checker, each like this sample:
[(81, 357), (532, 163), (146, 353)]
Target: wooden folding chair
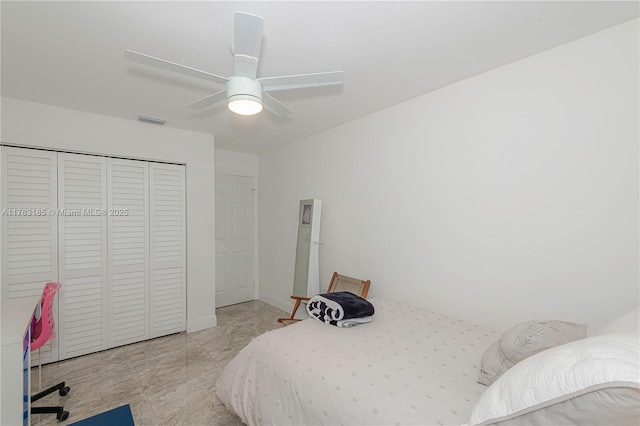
[(338, 283)]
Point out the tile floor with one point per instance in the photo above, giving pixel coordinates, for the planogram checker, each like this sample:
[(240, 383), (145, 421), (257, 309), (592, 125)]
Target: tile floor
[(166, 381)]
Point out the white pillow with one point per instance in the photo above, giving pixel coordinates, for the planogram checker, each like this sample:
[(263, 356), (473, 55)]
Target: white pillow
[(562, 374), (626, 323), (522, 341)]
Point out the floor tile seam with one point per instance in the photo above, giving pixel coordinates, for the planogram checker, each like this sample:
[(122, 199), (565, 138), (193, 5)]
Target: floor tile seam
[(146, 396), (210, 353)]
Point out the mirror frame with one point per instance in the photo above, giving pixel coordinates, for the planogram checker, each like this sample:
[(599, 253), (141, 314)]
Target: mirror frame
[(308, 224)]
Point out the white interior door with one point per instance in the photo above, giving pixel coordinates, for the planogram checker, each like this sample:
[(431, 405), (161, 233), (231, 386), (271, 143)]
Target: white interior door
[(234, 240), (29, 227), (168, 270), (82, 248), (128, 221)]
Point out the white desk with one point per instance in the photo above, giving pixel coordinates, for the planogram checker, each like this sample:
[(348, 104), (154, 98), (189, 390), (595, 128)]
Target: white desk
[(15, 382)]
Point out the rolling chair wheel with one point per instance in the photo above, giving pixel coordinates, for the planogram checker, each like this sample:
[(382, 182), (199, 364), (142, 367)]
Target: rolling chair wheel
[(65, 390), (62, 416)]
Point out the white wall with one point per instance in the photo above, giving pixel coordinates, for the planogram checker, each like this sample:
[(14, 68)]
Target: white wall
[(236, 163), (39, 125), (241, 164), (509, 196)]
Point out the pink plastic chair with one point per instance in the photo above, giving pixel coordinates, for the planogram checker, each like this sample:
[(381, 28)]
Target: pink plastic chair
[(41, 332)]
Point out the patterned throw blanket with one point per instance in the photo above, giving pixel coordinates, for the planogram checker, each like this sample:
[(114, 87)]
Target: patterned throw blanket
[(342, 309)]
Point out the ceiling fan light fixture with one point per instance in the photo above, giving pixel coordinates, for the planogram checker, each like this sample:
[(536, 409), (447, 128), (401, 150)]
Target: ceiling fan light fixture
[(245, 104), (244, 95)]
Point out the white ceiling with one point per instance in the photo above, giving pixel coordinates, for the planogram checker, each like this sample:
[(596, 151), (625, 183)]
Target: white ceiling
[(70, 54)]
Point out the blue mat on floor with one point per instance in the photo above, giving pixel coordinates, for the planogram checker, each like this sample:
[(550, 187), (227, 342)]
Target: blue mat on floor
[(120, 416)]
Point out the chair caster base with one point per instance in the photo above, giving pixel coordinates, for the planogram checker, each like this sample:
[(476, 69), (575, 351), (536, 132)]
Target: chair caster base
[(62, 416)]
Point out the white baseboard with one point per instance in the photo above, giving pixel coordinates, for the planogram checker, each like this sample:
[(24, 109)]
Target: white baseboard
[(201, 323), (286, 306)]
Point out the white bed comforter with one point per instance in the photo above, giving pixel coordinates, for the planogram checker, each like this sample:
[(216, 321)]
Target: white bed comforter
[(408, 366)]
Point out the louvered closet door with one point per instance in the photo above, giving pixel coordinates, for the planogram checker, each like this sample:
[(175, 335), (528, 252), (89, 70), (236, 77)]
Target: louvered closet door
[(128, 200), (28, 226), (82, 230), (168, 249)]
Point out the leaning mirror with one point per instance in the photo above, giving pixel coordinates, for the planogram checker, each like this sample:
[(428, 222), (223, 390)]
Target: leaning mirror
[(306, 279)]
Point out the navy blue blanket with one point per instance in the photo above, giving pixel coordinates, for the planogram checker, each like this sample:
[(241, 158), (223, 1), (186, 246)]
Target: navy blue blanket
[(341, 308)]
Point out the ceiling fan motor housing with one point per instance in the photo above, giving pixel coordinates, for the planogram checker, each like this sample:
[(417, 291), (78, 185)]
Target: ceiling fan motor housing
[(244, 91)]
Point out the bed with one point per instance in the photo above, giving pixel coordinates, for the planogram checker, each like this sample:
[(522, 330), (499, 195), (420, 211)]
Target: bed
[(408, 366)]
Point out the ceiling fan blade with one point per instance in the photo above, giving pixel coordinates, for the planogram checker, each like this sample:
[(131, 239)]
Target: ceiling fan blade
[(209, 100), (170, 66), (247, 42), (271, 84), (275, 106)]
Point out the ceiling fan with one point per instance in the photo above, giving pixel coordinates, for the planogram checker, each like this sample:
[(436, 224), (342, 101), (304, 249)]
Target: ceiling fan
[(245, 93)]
